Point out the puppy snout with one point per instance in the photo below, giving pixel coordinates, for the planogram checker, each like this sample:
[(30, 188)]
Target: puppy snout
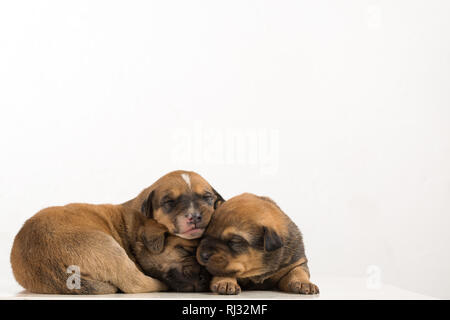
[(195, 217), (205, 255)]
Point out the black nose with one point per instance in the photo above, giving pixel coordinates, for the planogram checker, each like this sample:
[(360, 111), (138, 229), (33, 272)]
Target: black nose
[(205, 256), (197, 217)]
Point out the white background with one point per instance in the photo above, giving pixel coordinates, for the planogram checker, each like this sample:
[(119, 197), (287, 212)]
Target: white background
[(346, 103)]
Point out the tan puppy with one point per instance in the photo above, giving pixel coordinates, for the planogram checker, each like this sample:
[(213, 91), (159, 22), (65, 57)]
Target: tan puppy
[(251, 243), (105, 244), (181, 200)]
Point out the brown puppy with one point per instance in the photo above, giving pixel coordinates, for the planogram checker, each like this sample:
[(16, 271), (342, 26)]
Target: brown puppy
[(252, 243), (103, 243), (181, 200), (176, 265)]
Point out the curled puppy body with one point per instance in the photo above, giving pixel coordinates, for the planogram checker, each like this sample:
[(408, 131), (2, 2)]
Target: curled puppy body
[(170, 259), (182, 201), (97, 241), (250, 242)]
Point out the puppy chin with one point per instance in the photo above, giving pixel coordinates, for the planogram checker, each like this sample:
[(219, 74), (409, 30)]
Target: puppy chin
[(191, 234)]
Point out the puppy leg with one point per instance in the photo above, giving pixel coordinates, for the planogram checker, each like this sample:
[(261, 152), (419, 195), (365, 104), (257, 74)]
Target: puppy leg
[(131, 280), (103, 261), (225, 285), (297, 281), (91, 286)]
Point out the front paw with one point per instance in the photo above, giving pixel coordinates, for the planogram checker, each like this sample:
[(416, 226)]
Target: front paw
[(303, 287), (225, 287)]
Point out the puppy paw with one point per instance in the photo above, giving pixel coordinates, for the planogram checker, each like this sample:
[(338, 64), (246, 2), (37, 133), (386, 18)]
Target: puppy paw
[(225, 287), (303, 287)]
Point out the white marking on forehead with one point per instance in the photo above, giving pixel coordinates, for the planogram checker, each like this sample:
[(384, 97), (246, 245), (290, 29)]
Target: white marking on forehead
[(186, 178)]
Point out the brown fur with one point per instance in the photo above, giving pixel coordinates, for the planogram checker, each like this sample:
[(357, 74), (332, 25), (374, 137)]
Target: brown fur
[(250, 242), (106, 242), (170, 199), (175, 265)]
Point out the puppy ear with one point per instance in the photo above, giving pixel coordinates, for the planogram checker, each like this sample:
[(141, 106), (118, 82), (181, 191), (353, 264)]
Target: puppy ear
[(219, 199), (153, 236), (272, 241), (147, 205)]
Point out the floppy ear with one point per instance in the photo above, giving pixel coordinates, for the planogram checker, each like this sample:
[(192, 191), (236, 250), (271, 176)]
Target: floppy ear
[(272, 240), (219, 199), (147, 205), (153, 236)]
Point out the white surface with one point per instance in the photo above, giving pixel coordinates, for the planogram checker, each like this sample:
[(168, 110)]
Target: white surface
[(346, 104), (331, 288)]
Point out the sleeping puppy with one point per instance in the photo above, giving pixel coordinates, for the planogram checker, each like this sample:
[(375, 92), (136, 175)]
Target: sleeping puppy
[(99, 249), (181, 200), (170, 259), (251, 243)]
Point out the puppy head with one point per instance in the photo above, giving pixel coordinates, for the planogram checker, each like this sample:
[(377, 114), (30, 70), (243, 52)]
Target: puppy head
[(246, 238), (170, 259), (183, 202)]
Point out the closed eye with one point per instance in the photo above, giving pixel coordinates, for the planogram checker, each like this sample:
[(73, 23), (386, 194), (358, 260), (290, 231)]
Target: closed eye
[(168, 202), (236, 243), (208, 197)]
